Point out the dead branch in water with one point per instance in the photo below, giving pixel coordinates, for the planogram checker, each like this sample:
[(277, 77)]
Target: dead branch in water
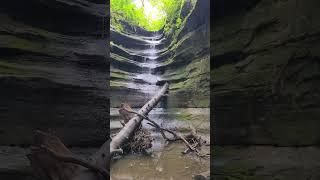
[(52, 160), (193, 138), (129, 128)]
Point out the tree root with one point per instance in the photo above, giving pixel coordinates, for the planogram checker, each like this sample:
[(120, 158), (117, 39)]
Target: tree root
[(192, 140)]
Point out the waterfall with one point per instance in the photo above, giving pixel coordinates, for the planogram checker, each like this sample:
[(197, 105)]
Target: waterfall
[(146, 81), (150, 56)]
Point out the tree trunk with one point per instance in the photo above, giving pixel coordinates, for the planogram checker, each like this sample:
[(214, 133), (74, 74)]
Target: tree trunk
[(52, 160), (133, 123)]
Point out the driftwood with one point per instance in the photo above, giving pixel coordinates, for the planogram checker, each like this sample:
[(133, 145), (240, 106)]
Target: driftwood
[(141, 139), (191, 140), (52, 160), (134, 123)]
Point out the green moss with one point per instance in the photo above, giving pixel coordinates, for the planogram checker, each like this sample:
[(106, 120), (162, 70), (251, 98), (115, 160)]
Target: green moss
[(120, 71), (193, 79), (186, 115), (116, 84), (119, 74), (7, 68), (202, 102), (186, 39), (256, 70), (22, 44), (198, 67), (118, 58), (176, 31)]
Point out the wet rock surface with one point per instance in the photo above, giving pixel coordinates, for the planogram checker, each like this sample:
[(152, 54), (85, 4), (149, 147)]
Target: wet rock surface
[(180, 58), (177, 119), (265, 73)]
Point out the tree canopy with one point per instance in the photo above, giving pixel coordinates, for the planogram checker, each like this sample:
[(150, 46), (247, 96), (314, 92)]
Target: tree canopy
[(151, 15)]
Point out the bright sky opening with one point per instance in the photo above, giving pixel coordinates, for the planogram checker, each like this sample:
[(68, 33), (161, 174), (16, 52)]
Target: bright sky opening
[(151, 12)]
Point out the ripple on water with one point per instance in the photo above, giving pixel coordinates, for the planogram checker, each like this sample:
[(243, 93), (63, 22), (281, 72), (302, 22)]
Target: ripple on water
[(161, 165)]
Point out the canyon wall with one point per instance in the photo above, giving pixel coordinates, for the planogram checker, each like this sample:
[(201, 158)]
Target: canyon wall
[(182, 59), (265, 72), (265, 89), (54, 70)]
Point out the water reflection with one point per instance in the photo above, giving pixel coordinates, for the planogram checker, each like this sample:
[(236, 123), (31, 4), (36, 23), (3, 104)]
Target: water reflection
[(162, 165)]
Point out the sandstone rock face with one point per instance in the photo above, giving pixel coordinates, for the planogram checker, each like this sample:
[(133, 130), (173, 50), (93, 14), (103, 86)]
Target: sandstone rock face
[(265, 72), (54, 70), (182, 60)]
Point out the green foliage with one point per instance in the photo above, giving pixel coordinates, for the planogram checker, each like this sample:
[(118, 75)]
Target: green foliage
[(151, 15), (178, 24)]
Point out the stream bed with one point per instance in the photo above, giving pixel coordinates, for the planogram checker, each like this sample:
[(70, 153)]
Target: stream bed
[(165, 161)]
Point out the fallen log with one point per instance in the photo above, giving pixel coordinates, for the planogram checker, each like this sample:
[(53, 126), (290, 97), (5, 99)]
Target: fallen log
[(193, 137), (134, 123), (52, 160)]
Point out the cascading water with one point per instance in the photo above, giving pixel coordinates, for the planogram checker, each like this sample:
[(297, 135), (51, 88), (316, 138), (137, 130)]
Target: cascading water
[(150, 56)]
